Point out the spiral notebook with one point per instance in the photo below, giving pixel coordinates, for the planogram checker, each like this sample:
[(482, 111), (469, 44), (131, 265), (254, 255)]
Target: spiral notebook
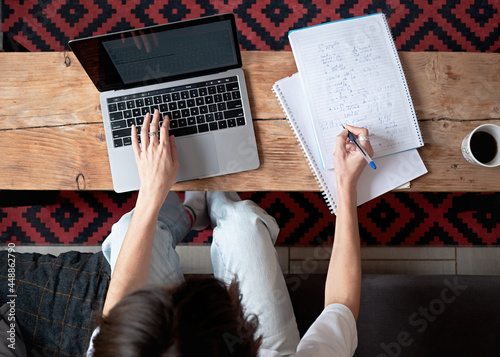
[(392, 171), (351, 73)]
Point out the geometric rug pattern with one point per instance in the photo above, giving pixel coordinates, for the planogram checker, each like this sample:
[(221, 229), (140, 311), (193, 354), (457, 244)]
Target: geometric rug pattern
[(393, 219), (396, 218), (418, 25)]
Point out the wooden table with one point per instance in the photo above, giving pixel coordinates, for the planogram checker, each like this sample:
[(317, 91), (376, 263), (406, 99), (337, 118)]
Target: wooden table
[(52, 136)]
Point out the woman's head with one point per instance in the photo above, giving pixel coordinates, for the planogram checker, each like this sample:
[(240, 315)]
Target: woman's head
[(201, 317)]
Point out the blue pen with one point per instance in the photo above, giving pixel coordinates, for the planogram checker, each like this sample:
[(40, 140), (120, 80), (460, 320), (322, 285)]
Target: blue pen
[(366, 156)]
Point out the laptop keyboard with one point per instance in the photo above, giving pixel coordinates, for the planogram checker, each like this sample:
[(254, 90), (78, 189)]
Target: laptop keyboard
[(194, 108)]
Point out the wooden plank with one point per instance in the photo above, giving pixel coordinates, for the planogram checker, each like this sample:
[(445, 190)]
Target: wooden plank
[(57, 159), (443, 85), (452, 85), (448, 170), (44, 91)]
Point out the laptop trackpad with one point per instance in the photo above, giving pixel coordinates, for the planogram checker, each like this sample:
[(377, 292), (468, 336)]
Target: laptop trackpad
[(197, 157)]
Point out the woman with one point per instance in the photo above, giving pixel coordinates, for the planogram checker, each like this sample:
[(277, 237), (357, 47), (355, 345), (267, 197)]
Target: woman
[(245, 310)]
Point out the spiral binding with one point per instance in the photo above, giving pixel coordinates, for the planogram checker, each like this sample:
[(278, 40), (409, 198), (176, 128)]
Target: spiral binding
[(407, 89), (327, 195)]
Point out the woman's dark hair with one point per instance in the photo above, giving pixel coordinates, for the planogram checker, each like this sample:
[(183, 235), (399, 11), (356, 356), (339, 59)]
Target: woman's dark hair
[(201, 317)]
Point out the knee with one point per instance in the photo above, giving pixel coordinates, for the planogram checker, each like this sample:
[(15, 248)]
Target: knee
[(246, 211), (247, 215)]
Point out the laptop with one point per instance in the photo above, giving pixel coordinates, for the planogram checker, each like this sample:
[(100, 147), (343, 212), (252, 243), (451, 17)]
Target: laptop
[(189, 70)]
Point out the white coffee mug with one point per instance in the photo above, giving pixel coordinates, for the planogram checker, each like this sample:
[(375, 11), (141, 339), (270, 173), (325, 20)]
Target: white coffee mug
[(481, 146)]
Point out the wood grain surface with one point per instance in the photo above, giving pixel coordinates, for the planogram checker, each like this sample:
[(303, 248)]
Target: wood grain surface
[(52, 136)]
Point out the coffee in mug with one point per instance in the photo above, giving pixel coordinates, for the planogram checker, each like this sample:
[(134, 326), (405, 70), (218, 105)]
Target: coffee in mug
[(481, 146)]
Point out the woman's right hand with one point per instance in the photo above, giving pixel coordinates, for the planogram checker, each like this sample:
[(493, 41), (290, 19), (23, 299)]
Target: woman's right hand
[(349, 161)]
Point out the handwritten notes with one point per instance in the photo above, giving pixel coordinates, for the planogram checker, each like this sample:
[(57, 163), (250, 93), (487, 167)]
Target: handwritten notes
[(351, 74)]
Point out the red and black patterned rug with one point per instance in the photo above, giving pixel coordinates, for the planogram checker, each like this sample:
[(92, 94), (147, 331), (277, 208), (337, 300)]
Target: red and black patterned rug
[(440, 25), (392, 219), (396, 218)]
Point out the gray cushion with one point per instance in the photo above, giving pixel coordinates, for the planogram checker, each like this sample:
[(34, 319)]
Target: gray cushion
[(403, 315)]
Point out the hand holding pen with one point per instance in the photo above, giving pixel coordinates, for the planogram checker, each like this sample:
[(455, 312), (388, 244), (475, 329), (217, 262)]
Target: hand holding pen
[(356, 142), (350, 159)]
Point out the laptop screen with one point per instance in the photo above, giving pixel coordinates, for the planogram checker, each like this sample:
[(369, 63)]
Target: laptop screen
[(160, 53)]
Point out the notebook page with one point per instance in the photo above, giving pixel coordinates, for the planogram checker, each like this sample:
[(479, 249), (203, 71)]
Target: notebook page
[(351, 74), (392, 171)]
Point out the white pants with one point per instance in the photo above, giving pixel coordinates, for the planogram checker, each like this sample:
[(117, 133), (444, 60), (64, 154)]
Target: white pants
[(243, 246)]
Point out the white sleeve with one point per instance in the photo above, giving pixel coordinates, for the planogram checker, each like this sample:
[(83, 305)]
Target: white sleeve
[(90, 351), (332, 334)]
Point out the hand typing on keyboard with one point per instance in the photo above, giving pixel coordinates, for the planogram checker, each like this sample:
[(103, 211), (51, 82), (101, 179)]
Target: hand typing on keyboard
[(192, 109), (156, 159)]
